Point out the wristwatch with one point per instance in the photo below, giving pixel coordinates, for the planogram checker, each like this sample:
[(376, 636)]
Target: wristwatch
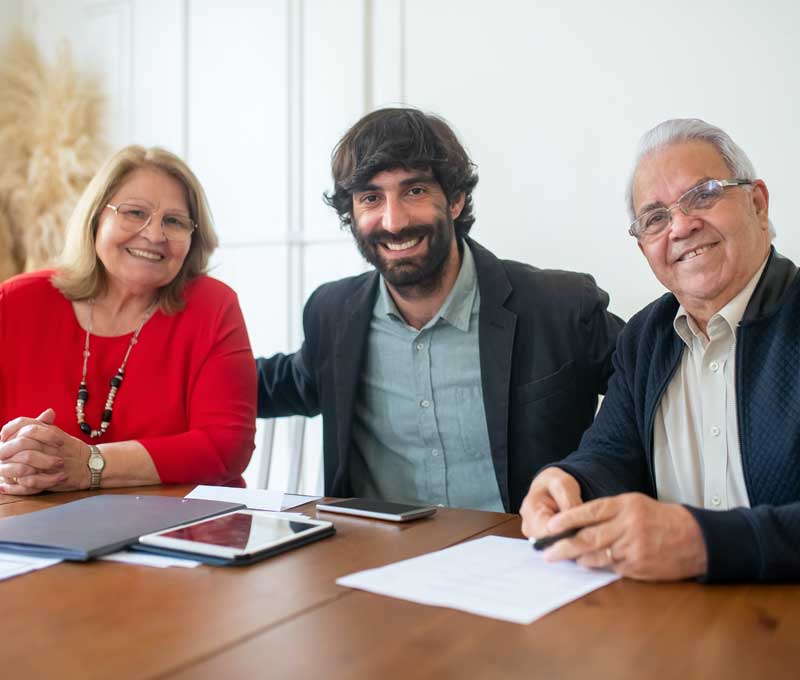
[(96, 464)]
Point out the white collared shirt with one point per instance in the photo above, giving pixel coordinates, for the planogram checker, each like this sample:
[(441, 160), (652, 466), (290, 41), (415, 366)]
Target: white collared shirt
[(696, 451)]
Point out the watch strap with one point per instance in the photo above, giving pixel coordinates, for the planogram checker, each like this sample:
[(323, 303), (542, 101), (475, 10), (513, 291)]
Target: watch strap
[(94, 475)]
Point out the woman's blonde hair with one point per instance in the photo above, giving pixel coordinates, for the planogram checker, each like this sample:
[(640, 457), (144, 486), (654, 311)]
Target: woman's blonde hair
[(80, 275)]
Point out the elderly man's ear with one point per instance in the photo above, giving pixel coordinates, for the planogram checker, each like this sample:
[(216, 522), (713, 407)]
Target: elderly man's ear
[(760, 198)]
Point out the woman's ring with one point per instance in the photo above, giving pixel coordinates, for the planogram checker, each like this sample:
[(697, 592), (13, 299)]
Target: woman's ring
[(610, 555)]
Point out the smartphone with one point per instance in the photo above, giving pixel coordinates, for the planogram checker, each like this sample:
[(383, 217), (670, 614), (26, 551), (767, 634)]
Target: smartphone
[(366, 507)]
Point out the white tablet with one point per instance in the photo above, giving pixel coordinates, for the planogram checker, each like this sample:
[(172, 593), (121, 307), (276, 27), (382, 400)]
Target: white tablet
[(239, 537)]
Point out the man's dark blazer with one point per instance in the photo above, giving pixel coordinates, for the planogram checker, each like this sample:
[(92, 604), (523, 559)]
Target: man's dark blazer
[(545, 338)]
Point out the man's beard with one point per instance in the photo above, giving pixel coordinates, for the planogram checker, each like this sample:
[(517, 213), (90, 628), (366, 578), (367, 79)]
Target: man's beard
[(413, 276)]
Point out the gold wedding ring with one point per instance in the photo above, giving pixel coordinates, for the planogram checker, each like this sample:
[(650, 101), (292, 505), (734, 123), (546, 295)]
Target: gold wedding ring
[(609, 555)]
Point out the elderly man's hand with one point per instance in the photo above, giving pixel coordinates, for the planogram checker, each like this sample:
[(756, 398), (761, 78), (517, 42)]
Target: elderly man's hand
[(634, 535), (551, 492)]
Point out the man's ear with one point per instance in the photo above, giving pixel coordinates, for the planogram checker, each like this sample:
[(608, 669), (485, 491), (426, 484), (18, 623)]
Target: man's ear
[(456, 206), (760, 198)]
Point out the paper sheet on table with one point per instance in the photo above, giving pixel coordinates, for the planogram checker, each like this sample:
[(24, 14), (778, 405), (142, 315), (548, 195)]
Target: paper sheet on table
[(503, 578), (292, 500), (147, 560), (285, 515), (13, 565), (255, 499)]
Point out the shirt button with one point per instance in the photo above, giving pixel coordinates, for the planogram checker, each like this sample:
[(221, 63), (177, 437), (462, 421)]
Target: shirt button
[(715, 501), (714, 366), (420, 346), (435, 452), (424, 403), (715, 431)]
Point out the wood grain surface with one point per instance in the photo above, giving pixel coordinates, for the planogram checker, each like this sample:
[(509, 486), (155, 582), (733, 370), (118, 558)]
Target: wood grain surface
[(110, 620), (625, 630), (286, 618)]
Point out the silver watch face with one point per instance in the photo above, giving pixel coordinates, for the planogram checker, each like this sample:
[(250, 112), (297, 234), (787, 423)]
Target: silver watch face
[(96, 462)]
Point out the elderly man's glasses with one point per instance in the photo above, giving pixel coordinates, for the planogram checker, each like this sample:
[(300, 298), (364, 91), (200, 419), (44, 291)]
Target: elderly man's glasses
[(702, 197), (133, 218)]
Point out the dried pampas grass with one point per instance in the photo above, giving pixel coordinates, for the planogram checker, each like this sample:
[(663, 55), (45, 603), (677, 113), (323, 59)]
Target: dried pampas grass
[(50, 147)]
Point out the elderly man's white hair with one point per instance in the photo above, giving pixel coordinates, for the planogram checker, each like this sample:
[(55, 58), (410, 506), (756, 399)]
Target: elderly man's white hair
[(677, 130)]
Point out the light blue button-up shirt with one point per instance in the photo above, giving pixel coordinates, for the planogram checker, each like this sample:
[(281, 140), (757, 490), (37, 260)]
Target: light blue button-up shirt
[(419, 426)]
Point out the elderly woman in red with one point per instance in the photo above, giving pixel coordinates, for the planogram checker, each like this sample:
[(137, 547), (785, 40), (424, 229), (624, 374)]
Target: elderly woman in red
[(127, 365)]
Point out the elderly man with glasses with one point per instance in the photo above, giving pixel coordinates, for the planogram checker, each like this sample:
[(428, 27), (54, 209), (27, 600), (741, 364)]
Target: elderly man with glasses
[(692, 468)]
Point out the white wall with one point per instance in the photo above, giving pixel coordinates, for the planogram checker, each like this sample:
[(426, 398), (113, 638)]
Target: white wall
[(549, 97), (10, 17)]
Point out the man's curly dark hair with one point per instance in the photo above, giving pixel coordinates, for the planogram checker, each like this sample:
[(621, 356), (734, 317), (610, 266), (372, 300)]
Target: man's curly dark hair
[(405, 138)]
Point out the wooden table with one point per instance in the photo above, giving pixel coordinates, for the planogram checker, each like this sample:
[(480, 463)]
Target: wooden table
[(286, 618)]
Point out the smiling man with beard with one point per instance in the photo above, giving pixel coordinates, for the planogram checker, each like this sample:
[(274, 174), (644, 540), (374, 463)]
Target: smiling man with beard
[(446, 376)]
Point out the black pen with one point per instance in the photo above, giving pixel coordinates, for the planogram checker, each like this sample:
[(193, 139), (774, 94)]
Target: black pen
[(547, 541)]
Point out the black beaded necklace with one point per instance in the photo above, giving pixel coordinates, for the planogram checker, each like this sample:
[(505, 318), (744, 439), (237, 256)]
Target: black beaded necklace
[(116, 381)]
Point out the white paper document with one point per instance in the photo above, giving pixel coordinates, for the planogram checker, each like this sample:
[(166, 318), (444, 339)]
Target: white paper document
[(503, 578), (14, 565), (255, 499), (285, 515), (292, 500), (148, 560)]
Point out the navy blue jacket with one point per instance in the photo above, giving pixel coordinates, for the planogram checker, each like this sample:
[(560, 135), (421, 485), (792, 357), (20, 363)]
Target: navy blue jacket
[(616, 454), (546, 341)]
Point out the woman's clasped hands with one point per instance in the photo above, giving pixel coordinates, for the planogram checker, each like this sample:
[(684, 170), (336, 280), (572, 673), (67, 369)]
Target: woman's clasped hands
[(36, 455)]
